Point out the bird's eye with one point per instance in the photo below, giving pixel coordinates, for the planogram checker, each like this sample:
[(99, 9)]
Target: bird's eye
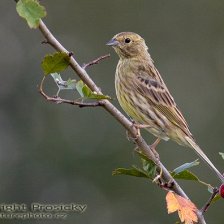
[(127, 40)]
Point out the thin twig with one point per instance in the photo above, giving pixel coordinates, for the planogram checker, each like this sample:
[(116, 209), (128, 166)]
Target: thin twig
[(44, 42), (208, 203), (59, 100), (116, 114), (96, 61)]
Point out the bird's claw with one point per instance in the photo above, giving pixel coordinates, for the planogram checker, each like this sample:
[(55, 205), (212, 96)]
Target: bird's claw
[(138, 127), (158, 177)]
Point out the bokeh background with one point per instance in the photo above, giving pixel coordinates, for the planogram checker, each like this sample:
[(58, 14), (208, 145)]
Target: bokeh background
[(60, 154)]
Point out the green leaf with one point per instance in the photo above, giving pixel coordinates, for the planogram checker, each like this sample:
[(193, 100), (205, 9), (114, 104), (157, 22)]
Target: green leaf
[(134, 171), (94, 95), (149, 168), (31, 11), (143, 156), (79, 86), (55, 63), (147, 164), (185, 166), (70, 84), (86, 92), (185, 175), (222, 154), (83, 89)]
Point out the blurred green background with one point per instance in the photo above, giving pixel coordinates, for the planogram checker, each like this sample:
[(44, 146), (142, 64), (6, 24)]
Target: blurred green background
[(60, 154)]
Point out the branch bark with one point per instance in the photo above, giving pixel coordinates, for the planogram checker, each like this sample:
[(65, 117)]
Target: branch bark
[(205, 207), (108, 106)]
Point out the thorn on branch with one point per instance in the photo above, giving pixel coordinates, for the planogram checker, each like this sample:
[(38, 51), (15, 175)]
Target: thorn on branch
[(70, 54), (44, 42), (96, 61), (58, 100)]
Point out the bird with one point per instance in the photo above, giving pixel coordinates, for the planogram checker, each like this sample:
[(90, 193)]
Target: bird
[(144, 96)]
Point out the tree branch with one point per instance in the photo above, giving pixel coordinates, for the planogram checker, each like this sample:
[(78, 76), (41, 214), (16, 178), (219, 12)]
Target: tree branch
[(59, 100), (141, 143), (96, 61), (208, 203)]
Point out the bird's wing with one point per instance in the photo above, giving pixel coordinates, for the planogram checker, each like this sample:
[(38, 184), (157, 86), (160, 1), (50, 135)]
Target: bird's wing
[(158, 95)]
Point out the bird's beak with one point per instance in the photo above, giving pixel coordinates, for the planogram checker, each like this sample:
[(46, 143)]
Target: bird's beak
[(112, 42)]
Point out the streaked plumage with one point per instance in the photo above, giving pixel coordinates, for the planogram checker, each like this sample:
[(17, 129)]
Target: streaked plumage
[(144, 96)]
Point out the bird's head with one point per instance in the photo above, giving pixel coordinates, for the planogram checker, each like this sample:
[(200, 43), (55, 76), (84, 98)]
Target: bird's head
[(128, 45)]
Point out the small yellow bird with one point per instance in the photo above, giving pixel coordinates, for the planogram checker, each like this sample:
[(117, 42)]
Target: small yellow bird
[(144, 96)]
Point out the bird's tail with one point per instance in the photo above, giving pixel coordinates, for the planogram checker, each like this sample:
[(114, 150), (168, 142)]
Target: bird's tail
[(204, 157)]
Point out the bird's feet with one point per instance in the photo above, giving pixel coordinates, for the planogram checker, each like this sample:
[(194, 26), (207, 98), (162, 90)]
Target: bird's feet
[(153, 148), (138, 127)]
